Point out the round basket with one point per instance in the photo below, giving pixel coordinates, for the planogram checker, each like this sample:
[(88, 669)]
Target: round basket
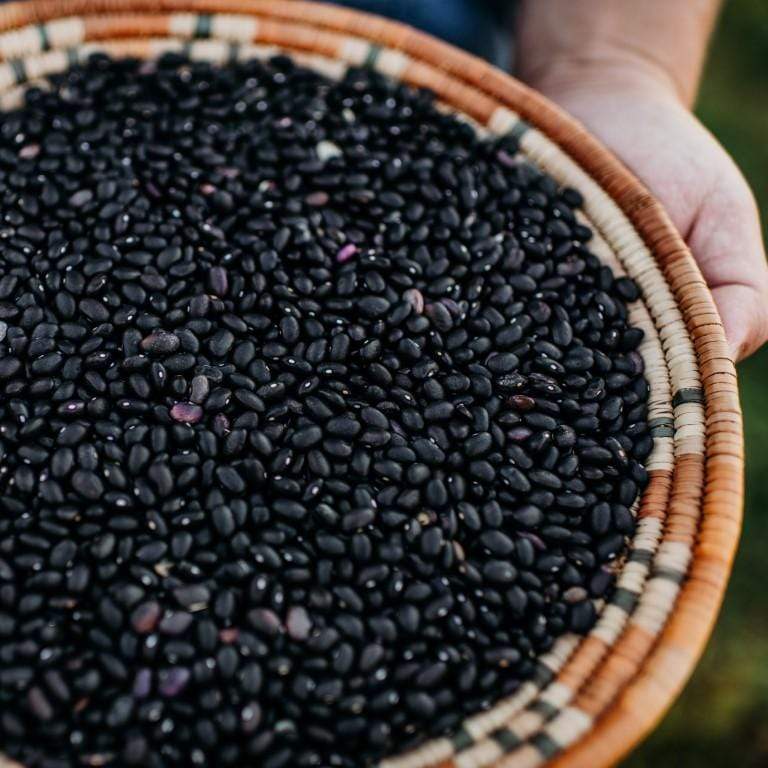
[(592, 698)]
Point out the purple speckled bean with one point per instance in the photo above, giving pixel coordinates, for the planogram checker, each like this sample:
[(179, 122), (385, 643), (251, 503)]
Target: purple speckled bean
[(173, 681), (506, 159), (186, 413), (298, 623), (519, 434), (415, 298), (346, 253)]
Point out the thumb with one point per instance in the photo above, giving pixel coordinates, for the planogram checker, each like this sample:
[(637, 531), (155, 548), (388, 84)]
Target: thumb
[(744, 312), (726, 241)]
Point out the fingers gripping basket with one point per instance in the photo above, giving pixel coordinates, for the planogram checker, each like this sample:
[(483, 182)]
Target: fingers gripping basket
[(592, 698)]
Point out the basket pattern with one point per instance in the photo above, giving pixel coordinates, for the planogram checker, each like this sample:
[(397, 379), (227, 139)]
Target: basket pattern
[(591, 698)]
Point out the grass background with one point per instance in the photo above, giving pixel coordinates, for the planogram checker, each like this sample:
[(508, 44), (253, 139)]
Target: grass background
[(721, 721)]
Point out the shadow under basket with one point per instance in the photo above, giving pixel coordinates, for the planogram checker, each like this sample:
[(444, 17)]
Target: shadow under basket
[(592, 698)]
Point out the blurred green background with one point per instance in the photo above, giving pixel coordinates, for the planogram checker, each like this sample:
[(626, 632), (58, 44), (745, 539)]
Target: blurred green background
[(722, 718)]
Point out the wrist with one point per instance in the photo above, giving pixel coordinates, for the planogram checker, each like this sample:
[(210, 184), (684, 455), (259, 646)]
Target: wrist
[(653, 46), (602, 72)]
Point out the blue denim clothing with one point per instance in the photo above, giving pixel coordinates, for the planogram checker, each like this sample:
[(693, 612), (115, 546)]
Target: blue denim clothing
[(483, 27)]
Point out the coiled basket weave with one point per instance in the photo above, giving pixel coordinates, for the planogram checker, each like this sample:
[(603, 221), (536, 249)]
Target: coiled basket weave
[(592, 698)]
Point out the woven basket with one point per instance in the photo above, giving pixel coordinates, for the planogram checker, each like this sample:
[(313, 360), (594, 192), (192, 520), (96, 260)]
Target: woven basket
[(592, 698)]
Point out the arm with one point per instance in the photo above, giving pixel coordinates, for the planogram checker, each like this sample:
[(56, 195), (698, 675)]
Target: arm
[(664, 41), (630, 71)]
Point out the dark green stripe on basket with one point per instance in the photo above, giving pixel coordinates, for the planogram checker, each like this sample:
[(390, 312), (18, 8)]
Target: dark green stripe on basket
[(543, 675), (624, 599), (519, 129), (506, 739), (45, 43), (669, 574), (19, 70), (203, 26), (461, 740), (546, 745), (663, 426), (642, 556), (688, 395), (374, 51), (544, 708)]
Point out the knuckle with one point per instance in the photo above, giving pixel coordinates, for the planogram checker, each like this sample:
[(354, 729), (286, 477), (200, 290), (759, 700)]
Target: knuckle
[(732, 188)]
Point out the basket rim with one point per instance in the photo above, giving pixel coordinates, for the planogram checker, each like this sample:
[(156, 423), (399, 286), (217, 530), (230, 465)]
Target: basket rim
[(642, 702)]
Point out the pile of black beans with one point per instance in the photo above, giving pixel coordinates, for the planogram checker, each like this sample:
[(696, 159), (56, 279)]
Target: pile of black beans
[(318, 419)]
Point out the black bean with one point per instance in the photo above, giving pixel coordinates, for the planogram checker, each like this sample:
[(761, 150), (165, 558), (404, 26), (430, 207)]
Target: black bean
[(193, 596), (515, 479), (431, 542), (499, 571), (160, 343), (63, 553), (94, 310), (582, 616), (221, 343), (39, 705), (199, 389), (498, 543), (175, 623), (9, 366), (421, 704), (265, 621), (218, 281), (373, 306), (504, 362), (87, 484), (528, 515), (231, 479), (71, 434)]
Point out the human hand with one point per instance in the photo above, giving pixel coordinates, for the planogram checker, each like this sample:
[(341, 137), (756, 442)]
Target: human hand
[(639, 115)]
